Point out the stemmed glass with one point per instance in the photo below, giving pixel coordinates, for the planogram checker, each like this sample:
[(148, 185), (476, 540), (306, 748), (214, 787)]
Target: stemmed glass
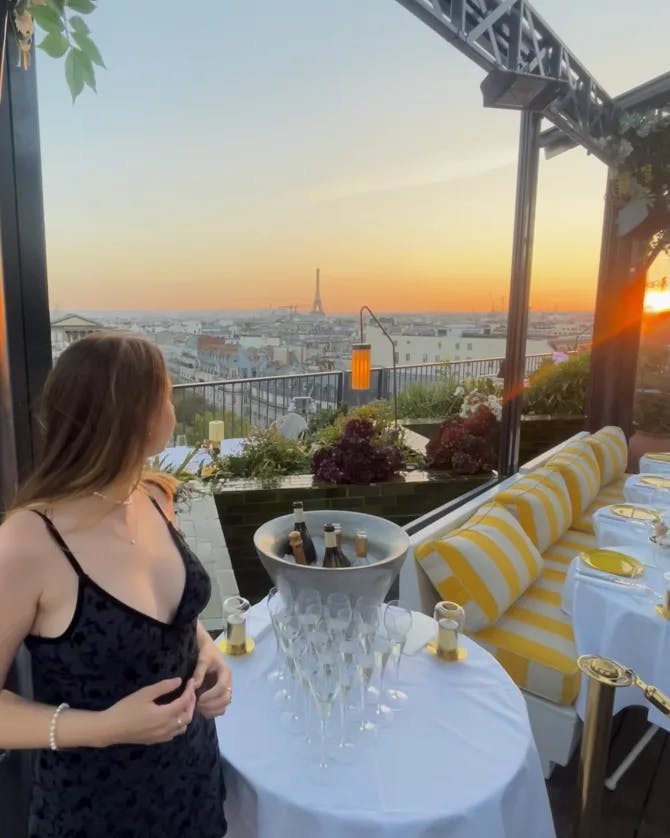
[(381, 648), (338, 614), (365, 665), (279, 605), (348, 678), (288, 630), (297, 651), (325, 683), (397, 622)]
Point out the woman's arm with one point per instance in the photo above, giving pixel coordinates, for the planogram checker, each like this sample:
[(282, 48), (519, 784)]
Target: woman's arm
[(25, 724), (136, 719)]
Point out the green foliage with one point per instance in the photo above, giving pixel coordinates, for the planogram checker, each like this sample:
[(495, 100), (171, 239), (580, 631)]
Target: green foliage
[(266, 455), (559, 389), (429, 401), (380, 413), (66, 34), (324, 418), (193, 415)]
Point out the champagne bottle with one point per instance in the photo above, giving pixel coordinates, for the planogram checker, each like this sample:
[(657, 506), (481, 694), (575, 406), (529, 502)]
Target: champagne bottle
[(300, 526), (330, 554), (333, 556), (295, 543)]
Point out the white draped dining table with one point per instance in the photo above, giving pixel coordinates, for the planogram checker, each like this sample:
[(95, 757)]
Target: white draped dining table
[(616, 618), (459, 761)]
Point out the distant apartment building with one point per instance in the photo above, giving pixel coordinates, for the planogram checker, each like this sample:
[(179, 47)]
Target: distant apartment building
[(69, 329), (448, 345)]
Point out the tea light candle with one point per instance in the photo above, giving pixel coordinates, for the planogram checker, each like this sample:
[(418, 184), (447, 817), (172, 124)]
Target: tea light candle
[(447, 639), (216, 430), (236, 633)]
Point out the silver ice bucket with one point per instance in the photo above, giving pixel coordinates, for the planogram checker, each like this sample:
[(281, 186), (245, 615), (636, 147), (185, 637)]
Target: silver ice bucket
[(387, 547)]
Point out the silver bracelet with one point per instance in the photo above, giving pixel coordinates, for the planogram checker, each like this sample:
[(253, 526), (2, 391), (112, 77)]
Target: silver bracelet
[(52, 726)]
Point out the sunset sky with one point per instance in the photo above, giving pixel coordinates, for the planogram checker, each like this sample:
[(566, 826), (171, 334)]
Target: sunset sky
[(231, 150)]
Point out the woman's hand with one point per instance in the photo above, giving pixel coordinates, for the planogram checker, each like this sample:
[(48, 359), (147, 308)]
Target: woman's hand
[(213, 681), (138, 720)]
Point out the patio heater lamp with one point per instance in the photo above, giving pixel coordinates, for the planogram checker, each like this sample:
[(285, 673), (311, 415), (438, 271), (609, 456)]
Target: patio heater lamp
[(521, 91), (361, 363)]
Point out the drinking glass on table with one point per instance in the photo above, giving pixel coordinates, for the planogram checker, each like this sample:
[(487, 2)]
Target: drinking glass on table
[(279, 604), (295, 718), (381, 648), (288, 630), (365, 666), (325, 683), (338, 614), (397, 622)]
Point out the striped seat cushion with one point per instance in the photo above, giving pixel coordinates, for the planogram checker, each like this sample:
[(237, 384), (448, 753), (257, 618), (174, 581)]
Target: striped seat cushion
[(533, 641), (611, 449), (578, 466), (541, 503), (484, 565), (606, 496)]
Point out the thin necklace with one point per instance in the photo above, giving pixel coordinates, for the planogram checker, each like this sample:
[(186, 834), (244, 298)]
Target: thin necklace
[(125, 502)]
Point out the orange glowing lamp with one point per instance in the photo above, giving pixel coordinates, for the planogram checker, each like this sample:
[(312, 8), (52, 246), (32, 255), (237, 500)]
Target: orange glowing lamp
[(361, 362), (360, 366)]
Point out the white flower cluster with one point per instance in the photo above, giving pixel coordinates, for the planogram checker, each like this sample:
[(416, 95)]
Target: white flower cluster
[(475, 398)]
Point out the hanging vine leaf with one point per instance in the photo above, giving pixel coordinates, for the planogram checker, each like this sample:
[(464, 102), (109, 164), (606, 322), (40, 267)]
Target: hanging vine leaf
[(47, 19), (73, 73), (54, 45), (79, 25), (83, 6), (87, 46)]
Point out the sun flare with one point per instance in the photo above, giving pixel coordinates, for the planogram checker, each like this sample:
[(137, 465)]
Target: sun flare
[(657, 300)]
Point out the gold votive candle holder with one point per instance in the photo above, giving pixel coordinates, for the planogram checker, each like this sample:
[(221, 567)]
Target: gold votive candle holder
[(450, 619), (235, 610)]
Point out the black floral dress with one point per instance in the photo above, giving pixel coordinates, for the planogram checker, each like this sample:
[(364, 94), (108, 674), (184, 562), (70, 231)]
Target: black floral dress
[(171, 790)]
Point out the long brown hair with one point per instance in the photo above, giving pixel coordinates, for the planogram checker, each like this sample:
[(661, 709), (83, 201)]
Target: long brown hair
[(98, 407)]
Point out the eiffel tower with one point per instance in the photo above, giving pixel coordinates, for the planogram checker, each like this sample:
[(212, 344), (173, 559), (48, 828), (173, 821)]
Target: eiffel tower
[(317, 308)]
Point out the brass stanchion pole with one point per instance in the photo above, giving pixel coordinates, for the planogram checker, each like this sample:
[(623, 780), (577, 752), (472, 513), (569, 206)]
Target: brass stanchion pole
[(605, 676)]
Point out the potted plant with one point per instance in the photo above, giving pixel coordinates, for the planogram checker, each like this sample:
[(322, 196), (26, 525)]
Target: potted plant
[(464, 444)]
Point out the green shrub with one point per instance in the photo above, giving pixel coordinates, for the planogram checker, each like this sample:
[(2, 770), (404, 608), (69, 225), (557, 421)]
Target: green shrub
[(429, 401), (266, 455), (559, 389)]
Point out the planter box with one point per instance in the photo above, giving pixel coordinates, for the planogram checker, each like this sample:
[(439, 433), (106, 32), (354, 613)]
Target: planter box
[(538, 433), (243, 505)]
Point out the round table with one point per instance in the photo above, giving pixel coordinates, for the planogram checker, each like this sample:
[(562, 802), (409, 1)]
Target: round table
[(612, 529), (655, 464), (460, 761), (647, 488), (620, 622)]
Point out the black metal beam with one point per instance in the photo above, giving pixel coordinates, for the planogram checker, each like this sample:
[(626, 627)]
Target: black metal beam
[(517, 317), (617, 325), (648, 96), (510, 35), (25, 346)]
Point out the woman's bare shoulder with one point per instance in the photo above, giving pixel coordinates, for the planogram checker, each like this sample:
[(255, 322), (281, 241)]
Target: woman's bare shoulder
[(23, 537)]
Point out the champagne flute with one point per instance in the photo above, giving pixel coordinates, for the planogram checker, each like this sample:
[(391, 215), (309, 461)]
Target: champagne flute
[(381, 648), (397, 622), (278, 604), (297, 650), (365, 666), (348, 678), (288, 630), (338, 614), (325, 683)]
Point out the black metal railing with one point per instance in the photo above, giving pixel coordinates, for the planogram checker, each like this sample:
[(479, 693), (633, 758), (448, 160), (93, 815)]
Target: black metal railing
[(245, 403)]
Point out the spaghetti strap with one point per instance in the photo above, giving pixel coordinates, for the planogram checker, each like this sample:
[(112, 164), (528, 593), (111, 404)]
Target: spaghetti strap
[(58, 538), (161, 511)]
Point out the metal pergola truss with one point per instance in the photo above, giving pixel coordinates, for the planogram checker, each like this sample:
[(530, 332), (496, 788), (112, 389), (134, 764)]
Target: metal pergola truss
[(509, 35)]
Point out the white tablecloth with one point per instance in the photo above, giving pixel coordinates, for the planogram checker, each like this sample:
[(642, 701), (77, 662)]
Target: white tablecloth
[(460, 761), (174, 457), (636, 491), (612, 530), (655, 464), (621, 623)]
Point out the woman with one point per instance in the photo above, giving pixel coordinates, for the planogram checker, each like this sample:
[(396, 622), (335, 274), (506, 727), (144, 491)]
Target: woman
[(105, 593)]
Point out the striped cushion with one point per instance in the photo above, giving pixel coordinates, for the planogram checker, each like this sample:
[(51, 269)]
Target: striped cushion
[(484, 565), (610, 494), (611, 449), (578, 466), (533, 641), (541, 503)]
